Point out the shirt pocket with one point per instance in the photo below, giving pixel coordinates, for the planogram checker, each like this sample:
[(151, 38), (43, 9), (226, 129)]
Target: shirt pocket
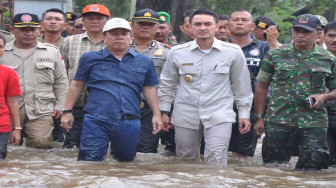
[(282, 75), (138, 74), (318, 76), (45, 72), (44, 100)]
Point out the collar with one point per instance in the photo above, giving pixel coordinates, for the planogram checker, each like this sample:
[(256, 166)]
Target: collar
[(106, 52), (215, 44), (10, 46), (151, 45), (316, 49)]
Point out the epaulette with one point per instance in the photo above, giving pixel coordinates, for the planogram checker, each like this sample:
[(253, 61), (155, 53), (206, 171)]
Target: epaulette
[(50, 45), (184, 45)]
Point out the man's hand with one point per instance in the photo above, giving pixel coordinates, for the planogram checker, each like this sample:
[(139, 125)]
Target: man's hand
[(244, 125), (56, 114), (15, 137), (166, 122), (157, 124), (319, 101), (67, 121), (259, 127)]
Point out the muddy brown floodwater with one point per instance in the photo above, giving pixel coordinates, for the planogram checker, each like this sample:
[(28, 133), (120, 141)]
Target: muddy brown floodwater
[(28, 167)]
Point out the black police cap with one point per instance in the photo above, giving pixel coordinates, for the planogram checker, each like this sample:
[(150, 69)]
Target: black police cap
[(26, 20), (146, 15)]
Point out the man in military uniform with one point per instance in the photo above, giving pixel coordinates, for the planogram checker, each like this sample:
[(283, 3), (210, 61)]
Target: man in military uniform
[(164, 29), (70, 18), (330, 42), (203, 78), (53, 21), (300, 72), (42, 78), (144, 25), (8, 36), (94, 19), (240, 26)]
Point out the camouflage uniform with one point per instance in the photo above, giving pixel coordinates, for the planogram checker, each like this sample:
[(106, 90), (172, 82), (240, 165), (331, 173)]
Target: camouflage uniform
[(295, 75)]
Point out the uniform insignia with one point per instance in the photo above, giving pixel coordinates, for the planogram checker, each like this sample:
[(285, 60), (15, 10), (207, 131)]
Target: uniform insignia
[(254, 52), (68, 16), (94, 8), (262, 25), (45, 60), (153, 44), (147, 14), (158, 52), (303, 19), (26, 18), (188, 78), (163, 18), (187, 64)]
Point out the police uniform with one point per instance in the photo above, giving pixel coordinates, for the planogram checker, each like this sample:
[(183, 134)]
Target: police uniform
[(8, 36), (148, 142), (59, 43), (43, 82)]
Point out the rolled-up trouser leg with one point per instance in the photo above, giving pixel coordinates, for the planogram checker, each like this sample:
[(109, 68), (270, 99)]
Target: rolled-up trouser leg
[(217, 139), (39, 132), (3, 145)]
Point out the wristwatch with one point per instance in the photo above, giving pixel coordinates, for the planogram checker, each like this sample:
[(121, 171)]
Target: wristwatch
[(17, 128), (66, 111), (260, 115), (164, 112)]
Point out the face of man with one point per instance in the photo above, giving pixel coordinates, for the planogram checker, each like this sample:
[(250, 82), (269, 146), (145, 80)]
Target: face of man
[(162, 32), (94, 22), (204, 26), (222, 32), (240, 23), (78, 26), (117, 39), (53, 22), (69, 27), (320, 36), (330, 41), (258, 33), (186, 29), (303, 39), (144, 30), (25, 37)]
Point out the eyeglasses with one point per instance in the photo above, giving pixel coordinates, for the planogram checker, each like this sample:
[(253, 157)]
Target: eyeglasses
[(79, 26)]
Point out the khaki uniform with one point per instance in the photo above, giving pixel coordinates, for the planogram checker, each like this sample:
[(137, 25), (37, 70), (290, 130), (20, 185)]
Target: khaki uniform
[(59, 43), (8, 36), (44, 85)]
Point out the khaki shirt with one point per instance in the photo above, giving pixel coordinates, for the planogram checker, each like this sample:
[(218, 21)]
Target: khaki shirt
[(72, 50), (204, 86), (8, 36), (59, 43), (42, 78), (157, 52)]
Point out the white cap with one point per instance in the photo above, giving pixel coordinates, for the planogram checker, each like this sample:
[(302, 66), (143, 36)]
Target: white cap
[(115, 23)]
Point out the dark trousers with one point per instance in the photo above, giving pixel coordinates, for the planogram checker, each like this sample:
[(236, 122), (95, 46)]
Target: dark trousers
[(332, 138), (72, 138), (148, 142), (3, 145), (58, 131)]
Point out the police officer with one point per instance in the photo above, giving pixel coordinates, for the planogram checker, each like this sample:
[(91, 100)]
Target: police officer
[(69, 24), (299, 71), (144, 25), (265, 29), (42, 78)]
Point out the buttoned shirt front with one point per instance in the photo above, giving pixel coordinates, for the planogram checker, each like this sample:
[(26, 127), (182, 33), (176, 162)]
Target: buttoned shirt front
[(204, 86), (115, 85), (73, 48), (295, 75), (42, 78)]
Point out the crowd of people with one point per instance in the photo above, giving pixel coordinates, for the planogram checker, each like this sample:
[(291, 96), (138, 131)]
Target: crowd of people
[(99, 83)]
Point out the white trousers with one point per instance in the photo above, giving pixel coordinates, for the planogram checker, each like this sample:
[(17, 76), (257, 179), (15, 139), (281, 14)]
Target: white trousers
[(217, 139)]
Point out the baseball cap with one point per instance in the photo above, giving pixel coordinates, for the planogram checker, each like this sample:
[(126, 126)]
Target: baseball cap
[(307, 21), (146, 15), (323, 20), (264, 22), (97, 8), (26, 20), (115, 23), (70, 16), (164, 17)]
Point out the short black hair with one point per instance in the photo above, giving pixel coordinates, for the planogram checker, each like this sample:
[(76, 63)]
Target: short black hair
[(204, 11), (223, 17), (54, 10), (330, 25), (3, 39), (187, 13), (241, 10)]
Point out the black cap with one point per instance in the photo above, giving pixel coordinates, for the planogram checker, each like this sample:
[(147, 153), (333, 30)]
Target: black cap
[(307, 21), (146, 15), (264, 22), (26, 20), (70, 16)]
